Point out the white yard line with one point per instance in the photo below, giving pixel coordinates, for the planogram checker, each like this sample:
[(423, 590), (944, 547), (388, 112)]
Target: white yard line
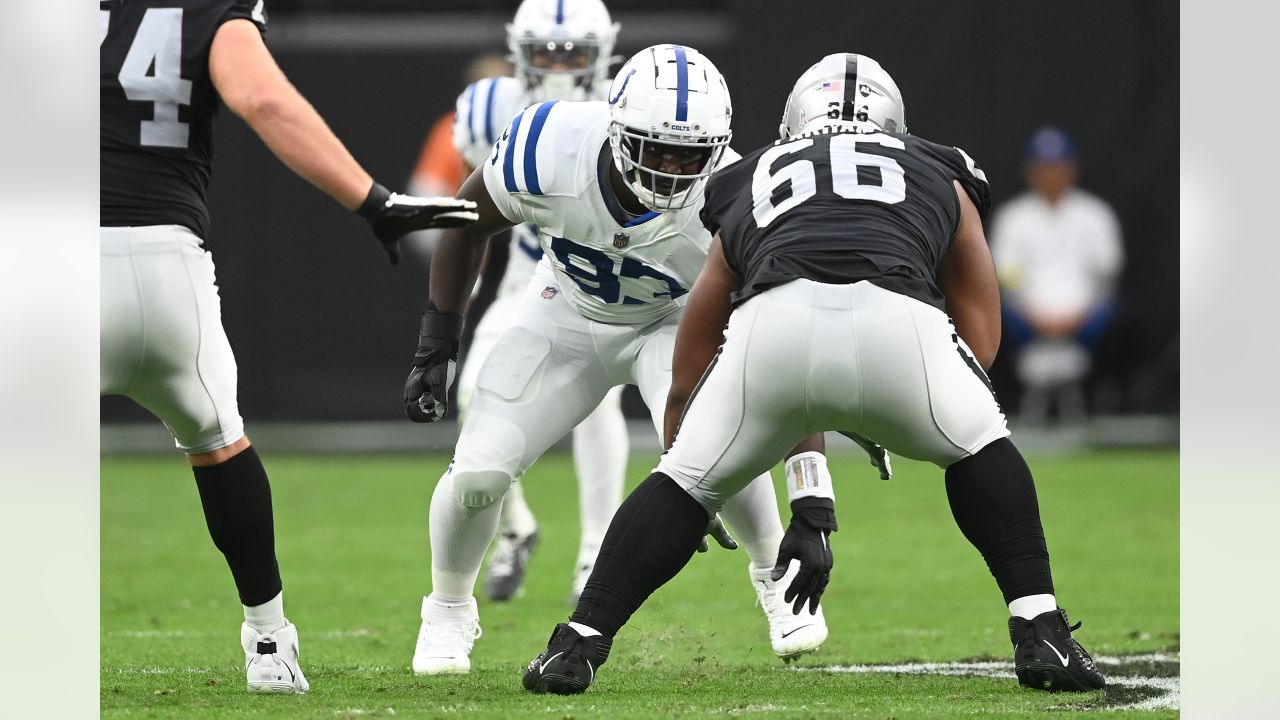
[(1168, 699)]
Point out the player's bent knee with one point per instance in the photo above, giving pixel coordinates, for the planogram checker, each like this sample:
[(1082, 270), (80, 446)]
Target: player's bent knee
[(480, 488), (706, 496)]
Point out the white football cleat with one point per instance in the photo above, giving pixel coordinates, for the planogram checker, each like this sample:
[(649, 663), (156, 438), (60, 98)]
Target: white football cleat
[(508, 564), (446, 637), (580, 578), (271, 660), (791, 635)]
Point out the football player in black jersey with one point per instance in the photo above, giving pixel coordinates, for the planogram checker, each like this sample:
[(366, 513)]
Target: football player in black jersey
[(849, 288), (164, 65)]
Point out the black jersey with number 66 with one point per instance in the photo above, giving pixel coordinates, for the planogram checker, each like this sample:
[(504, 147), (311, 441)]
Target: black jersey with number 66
[(840, 207), (158, 107)]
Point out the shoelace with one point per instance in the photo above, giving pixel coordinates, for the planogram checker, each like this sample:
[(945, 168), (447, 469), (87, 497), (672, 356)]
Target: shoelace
[(579, 646), (1081, 656), (1073, 647), (467, 632), (767, 593)]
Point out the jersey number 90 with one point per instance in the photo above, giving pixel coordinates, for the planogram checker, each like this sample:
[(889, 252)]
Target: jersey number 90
[(605, 276)]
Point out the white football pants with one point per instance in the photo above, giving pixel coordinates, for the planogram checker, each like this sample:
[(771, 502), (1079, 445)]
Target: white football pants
[(809, 357), (162, 342), (600, 442), (545, 373)]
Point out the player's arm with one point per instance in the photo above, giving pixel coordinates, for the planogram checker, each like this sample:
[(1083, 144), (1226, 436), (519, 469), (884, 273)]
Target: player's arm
[(493, 266), (253, 86), (700, 334), (967, 278), (454, 267)]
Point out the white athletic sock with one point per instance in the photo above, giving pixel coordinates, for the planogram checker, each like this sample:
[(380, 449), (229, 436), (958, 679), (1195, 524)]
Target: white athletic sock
[(584, 630), (600, 447), (1029, 606), (516, 518), (267, 617), (752, 517), (459, 538), (439, 609)]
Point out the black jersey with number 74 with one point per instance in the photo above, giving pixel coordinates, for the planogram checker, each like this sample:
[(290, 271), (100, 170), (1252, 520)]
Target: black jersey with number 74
[(840, 207), (158, 108)]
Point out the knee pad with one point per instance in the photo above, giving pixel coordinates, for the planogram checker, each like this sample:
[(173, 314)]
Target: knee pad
[(480, 488)]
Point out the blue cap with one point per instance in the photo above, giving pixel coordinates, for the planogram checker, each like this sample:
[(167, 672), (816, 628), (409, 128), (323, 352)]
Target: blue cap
[(1049, 144)]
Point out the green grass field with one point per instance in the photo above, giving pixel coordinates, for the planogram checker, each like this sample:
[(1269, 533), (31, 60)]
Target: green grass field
[(352, 541)]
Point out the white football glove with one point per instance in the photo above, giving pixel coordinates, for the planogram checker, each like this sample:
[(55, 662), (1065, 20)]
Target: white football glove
[(879, 456), (717, 530)]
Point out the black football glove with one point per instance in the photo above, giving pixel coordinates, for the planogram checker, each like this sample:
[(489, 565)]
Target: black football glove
[(813, 519), (426, 391), (393, 215)]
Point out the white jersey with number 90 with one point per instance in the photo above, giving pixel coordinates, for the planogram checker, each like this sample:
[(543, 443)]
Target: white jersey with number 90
[(550, 168)]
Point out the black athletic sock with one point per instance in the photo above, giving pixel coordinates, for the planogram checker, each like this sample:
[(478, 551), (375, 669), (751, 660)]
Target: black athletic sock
[(652, 536), (236, 496), (993, 499)]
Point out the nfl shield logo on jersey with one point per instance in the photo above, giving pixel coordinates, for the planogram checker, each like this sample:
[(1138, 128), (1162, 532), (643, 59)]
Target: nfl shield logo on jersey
[(621, 240), (549, 291)]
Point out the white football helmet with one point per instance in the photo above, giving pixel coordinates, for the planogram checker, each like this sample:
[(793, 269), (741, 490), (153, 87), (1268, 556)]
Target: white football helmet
[(562, 48), (844, 91), (669, 115)]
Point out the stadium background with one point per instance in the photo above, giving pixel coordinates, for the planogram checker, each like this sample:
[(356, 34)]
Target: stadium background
[(323, 330), (323, 327)]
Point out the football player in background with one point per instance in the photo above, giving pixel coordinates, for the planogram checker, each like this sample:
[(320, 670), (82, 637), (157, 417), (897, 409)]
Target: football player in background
[(562, 51), (164, 66), (440, 168), (614, 188), (849, 287)]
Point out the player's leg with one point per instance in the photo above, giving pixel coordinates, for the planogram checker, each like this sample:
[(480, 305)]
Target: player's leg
[(753, 517), (541, 379), (752, 512), (517, 534), (517, 537), (186, 376), (943, 409), (728, 438), (600, 448)]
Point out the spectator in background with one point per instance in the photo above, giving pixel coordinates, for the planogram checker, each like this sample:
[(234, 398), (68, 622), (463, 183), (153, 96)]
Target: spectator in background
[(440, 168), (1058, 252)]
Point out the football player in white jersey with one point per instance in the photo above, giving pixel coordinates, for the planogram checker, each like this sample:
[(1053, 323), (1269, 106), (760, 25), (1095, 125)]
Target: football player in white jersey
[(562, 50), (615, 189)]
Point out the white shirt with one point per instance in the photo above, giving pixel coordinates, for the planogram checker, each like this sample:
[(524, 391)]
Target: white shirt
[(545, 170), (1059, 259)]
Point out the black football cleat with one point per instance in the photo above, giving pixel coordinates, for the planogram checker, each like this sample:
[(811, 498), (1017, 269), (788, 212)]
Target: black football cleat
[(569, 664), (1046, 657)]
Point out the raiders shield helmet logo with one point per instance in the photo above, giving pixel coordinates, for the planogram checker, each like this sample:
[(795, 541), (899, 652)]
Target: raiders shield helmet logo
[(621, 240)]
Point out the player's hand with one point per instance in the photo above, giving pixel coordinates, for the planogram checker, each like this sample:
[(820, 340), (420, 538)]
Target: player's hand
[(879, 456), (807, 540), (426, 391), (720, 533), (393, 216)]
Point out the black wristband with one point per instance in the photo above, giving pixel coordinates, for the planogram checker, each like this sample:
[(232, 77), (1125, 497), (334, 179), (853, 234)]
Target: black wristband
[(440, 330), (375, 201), (817, 512)]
